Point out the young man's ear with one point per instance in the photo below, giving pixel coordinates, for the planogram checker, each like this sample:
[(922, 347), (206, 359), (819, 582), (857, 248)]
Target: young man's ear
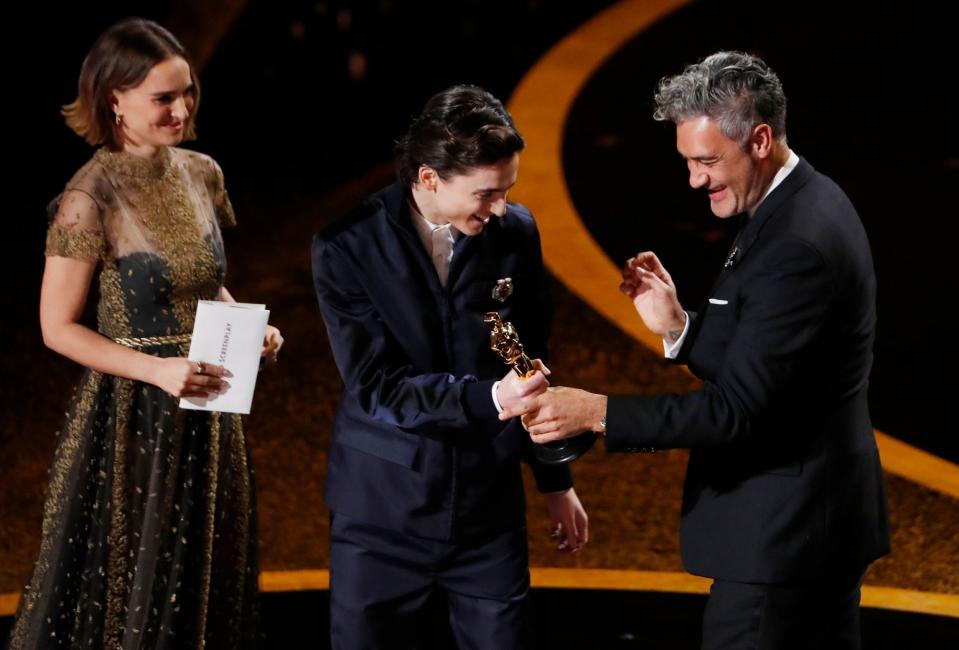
[(428, 178)]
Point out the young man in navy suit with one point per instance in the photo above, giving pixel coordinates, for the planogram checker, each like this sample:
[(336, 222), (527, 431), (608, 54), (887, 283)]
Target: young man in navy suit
[(424, 480), (784, 504)]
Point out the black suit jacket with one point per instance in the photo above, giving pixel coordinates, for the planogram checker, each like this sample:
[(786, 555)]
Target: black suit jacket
[(784, 477), (417, 446)]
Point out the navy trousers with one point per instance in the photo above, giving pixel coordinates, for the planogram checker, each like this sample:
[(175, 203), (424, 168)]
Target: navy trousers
[(381, 582)]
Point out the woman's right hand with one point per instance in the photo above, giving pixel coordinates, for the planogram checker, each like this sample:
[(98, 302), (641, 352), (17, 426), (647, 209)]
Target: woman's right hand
[(185, 378)]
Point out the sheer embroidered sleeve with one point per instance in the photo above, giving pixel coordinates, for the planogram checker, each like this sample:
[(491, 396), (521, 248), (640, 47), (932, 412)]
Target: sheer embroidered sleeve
[(76, 227), (221, 200)]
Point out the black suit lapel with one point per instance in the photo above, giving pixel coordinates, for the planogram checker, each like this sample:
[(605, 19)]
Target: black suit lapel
[(767, 209), (732, 257), (751, 227)]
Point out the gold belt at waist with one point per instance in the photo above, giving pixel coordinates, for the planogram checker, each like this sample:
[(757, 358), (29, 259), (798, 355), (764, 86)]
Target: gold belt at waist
[(153, 341)]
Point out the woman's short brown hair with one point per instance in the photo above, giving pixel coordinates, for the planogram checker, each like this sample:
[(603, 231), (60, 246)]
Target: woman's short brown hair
[(120, 59)]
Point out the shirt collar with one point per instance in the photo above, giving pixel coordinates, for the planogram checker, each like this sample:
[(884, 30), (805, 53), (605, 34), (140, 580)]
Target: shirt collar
[(425, 228), (780, 176)]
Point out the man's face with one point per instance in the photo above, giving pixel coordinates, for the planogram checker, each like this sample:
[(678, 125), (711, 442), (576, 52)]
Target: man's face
[(467, 201), (731, 177)]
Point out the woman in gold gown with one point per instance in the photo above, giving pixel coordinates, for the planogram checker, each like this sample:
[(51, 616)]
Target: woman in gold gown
[(148, 536)]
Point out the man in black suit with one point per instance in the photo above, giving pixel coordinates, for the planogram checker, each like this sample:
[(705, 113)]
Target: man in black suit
[(424, 480), (784, 504)]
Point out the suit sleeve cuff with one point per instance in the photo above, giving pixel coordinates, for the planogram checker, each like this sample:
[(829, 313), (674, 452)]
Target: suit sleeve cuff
[(621, 433), (477, 402), (552, 478)]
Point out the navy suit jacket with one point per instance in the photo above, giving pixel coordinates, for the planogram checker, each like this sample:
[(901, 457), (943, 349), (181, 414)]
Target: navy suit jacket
[(784, 478), (417, 446)]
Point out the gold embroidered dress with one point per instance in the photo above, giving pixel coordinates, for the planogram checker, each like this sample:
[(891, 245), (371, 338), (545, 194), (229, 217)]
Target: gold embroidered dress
[(148, 534)]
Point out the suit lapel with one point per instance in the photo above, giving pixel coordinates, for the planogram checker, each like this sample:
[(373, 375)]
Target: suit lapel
[(416, 301), (767, 209), (754, 225), (462, 254), (399, 214)]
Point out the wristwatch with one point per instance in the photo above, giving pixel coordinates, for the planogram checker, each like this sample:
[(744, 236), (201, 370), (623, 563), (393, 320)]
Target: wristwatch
[(602, 425)]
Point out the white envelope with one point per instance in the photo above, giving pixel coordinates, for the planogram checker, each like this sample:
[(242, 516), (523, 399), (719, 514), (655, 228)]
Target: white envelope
[(228, 334)]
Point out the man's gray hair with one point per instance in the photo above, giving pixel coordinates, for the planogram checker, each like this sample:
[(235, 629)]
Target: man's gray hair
[(737, 90)]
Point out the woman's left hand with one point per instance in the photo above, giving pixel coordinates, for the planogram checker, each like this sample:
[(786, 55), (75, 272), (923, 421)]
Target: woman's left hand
[(272, 342)]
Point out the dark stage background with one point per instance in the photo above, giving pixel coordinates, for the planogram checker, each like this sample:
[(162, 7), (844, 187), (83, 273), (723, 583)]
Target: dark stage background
[(301, 104), (303, 99)]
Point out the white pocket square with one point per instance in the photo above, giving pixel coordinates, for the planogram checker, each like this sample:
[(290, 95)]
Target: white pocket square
[(717, 301)]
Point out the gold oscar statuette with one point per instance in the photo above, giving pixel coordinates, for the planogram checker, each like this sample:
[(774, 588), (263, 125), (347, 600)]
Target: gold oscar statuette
[(505, 342)]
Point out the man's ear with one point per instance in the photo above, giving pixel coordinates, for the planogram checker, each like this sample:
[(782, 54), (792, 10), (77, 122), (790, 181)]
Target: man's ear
[(761, 141)]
